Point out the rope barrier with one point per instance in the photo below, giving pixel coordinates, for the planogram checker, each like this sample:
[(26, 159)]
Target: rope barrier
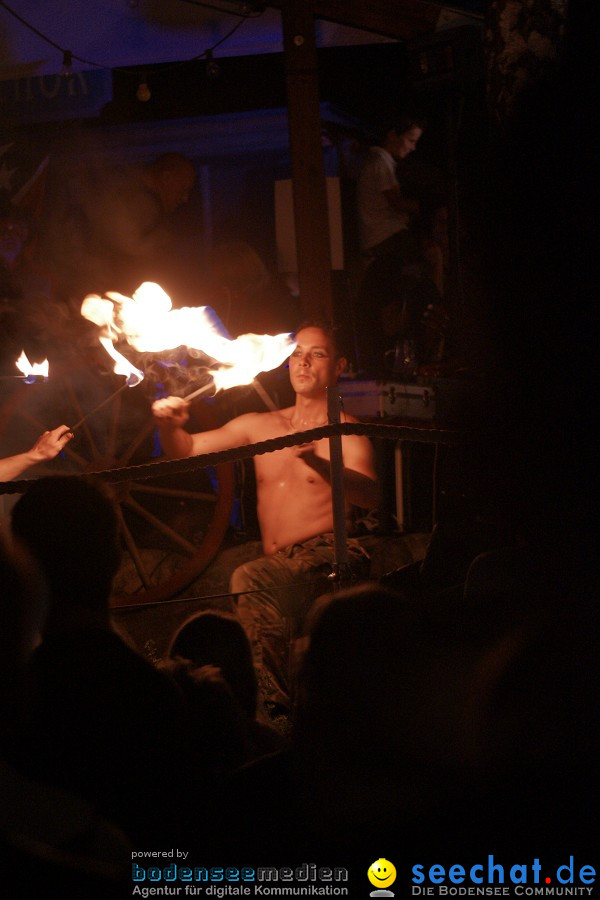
[(176, 466)]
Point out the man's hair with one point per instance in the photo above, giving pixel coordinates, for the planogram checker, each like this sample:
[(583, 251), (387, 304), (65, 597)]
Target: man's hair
[(328, 328), (216, 638), (406, 121), (399, 122)]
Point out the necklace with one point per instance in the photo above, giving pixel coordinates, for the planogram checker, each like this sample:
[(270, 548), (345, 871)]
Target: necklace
[(306, 427)]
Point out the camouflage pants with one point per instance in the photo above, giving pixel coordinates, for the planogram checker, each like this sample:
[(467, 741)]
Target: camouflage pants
[(281, 590)]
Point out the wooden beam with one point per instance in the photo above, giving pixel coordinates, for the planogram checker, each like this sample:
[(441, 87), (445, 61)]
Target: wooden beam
[(400, 19), (308, 173)]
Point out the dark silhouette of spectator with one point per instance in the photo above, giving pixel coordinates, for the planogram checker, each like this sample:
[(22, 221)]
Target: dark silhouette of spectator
[(434, 731), (218, 640), (533, 738), (47, 837), (357, 767), (216, 723), (112, 728)]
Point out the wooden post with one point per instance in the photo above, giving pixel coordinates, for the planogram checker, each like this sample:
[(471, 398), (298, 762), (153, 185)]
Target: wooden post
[(308, 173), (341, 569)]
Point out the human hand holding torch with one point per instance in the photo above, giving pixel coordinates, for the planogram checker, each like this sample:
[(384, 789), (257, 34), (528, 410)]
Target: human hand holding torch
[(48, 445), (170, 415)]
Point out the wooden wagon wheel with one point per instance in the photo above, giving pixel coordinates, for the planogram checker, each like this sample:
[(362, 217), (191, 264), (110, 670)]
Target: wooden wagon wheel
[(171, 526)]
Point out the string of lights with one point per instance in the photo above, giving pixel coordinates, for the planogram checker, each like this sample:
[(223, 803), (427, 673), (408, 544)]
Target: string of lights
[(247, 11)]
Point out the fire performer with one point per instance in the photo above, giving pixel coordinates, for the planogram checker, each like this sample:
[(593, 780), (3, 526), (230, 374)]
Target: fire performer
[(294, 504), (48, 445)]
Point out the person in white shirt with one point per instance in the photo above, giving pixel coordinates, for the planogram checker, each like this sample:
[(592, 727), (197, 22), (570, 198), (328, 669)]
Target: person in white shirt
[(383, 211)]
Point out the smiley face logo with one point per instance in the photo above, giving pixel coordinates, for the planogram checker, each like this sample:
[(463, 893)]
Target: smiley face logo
[(382, 873)]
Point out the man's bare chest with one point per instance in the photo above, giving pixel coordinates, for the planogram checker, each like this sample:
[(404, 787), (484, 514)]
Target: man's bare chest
[(286, 468)]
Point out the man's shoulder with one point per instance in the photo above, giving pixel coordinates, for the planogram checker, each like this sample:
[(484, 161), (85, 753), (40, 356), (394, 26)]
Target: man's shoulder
[(262, 425), (347, 419), (379, 155), (378, 165)]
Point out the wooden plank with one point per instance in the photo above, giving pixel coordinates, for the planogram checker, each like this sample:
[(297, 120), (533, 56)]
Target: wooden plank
[(400, 19), (308, 174)]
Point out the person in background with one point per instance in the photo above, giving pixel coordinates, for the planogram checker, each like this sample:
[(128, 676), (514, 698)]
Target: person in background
[(384, 212), (112, 226), (397, 274)]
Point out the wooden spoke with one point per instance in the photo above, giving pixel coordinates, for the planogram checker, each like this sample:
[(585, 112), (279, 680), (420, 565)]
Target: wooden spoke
[(135, 444), (132, 548), (161, 526)]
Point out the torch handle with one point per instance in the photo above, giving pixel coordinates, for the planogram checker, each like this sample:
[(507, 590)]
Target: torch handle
[(99, 407), (203, 390)]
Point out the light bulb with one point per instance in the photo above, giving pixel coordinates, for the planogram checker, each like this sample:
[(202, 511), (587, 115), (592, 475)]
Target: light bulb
[(143, 92), (213, 70), (67, 64)]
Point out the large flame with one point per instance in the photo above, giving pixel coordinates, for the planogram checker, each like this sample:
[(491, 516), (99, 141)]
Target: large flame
[(31, 370), (149, 324)]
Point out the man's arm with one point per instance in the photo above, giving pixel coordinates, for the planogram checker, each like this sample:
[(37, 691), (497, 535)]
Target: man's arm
[(47, 446), (396, 199), (171, 414), (387, 183)]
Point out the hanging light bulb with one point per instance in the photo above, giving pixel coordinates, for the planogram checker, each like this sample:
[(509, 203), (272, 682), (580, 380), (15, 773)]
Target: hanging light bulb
[(67, 64), (213, 69), (143, 92)]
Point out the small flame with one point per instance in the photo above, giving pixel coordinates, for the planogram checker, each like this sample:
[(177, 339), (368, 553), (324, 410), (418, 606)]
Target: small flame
[(122, 365), (31, 370), (148, 323)]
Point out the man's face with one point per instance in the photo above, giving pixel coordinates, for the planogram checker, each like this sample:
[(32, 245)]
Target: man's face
[(403, 144), (174, 187), (314, 364)]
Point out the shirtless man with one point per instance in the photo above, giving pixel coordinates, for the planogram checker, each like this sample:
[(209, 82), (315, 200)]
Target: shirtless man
[(294, 502), (47, 446)]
